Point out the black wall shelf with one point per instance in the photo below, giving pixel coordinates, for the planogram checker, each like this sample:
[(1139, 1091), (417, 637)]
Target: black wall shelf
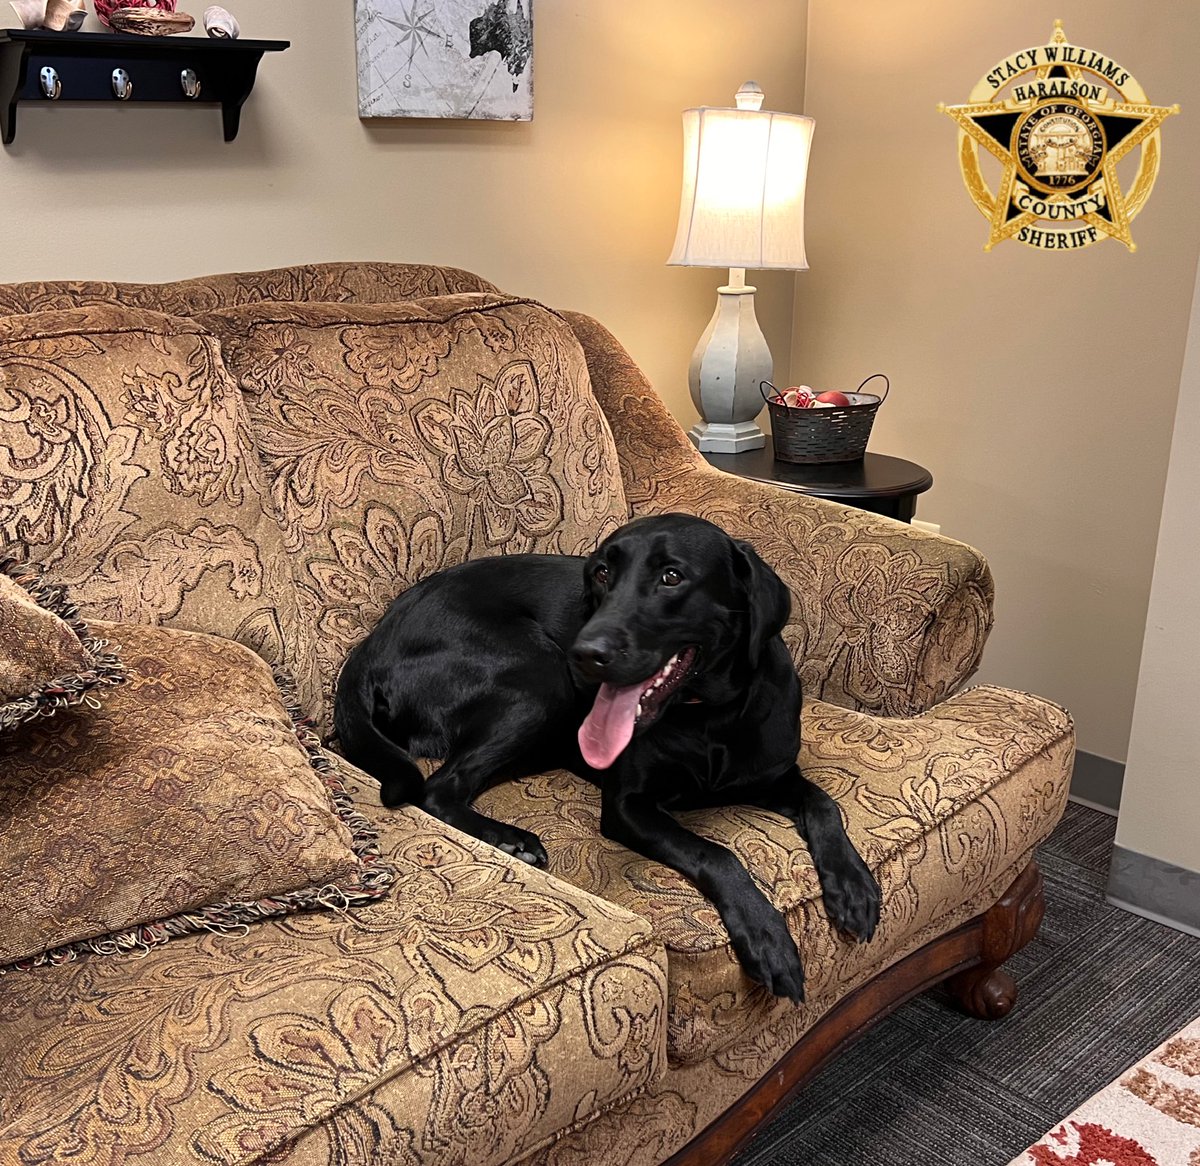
[(85, 62)]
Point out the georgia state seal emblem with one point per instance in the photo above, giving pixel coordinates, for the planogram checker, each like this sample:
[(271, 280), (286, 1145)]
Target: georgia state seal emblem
[(1059, 118)]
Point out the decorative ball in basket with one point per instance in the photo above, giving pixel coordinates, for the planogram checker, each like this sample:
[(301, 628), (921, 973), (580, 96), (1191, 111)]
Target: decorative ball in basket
[(809, 428)]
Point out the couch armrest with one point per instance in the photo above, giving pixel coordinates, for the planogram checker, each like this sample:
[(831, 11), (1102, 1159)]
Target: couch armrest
[(885, 618)]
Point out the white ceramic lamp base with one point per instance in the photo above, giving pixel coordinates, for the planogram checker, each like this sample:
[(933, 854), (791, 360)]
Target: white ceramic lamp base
[(713, 437), (729, 363)]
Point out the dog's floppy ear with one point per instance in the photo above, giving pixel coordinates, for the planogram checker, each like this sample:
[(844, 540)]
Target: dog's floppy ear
[(768, 599), (587, 595)]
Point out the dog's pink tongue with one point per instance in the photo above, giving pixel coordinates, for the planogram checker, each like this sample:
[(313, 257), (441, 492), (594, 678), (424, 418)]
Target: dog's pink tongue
[(609, 726)]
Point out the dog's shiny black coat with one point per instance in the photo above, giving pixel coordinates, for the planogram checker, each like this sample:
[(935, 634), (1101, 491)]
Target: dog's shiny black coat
[(494, 665)]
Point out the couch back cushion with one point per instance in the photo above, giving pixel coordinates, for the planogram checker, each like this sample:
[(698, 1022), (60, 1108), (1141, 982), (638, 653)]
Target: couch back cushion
[(334, 282), (400, 439), (128, 469)]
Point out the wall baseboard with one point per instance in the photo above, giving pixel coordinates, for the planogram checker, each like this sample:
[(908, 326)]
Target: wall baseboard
[(1096, 782), (1138, 883), (1155, 889)]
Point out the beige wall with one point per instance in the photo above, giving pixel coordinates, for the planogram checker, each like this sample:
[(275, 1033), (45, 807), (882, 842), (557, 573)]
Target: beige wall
[(1039, 388), (1039, 459), (1159, 814), (577, 208)]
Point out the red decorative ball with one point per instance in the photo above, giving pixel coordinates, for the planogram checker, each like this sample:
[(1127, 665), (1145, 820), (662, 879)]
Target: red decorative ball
[(833, 397), (105, 8)]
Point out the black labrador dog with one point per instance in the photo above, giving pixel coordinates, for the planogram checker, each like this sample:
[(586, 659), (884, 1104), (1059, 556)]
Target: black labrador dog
[(654, 668)]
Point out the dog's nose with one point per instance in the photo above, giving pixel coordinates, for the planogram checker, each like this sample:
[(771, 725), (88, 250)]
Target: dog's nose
[(593, 657)]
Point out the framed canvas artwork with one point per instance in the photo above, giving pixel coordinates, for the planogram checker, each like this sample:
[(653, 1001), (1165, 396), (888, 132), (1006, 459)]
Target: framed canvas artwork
[(445, 58)]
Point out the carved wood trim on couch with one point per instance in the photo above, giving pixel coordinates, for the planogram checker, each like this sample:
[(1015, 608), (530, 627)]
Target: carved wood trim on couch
[(968, 959)]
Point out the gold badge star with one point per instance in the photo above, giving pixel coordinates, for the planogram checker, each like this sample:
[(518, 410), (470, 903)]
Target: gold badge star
[(1047, 116)]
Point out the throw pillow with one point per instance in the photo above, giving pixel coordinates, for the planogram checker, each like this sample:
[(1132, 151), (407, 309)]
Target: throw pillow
[(399, 439), (128, 468), (48, 657), (186, 802)]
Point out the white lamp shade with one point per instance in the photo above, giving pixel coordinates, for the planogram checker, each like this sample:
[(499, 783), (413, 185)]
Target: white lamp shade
[(742, 204)]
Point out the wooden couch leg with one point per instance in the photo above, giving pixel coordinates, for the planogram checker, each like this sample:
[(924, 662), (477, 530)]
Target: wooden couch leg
[(986, 990)]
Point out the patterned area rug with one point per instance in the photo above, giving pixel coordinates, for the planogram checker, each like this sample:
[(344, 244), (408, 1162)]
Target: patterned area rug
[(1149, 1116), (1098, 988)]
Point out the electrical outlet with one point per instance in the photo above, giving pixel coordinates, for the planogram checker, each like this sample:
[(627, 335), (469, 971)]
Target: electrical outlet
[(930, 527)]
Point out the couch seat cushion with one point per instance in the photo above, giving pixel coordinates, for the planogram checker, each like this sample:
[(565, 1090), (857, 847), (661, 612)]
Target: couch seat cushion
[(399, 439), (939, 805), (129, 472), (185, 801), (48, 657), (467, 1018)]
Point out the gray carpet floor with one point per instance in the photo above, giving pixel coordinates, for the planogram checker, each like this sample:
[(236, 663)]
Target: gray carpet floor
[(1098, 989)]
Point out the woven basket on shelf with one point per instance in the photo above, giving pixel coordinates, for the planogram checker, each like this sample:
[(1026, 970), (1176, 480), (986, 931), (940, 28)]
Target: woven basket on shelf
[(837, 433)]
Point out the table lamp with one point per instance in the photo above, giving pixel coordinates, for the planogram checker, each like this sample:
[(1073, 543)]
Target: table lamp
[(742, 205)]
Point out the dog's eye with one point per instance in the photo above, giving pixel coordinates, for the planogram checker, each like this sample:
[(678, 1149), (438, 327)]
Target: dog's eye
[(671, 577), (600, 574)]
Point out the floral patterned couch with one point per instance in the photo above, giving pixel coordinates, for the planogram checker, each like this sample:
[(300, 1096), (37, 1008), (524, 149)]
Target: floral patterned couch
[(271, 457)]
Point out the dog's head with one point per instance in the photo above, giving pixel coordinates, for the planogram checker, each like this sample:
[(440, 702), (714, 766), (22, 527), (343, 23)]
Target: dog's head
[(679, 610)]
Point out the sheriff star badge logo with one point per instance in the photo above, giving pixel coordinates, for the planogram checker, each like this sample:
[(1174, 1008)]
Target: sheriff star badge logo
[(1059, 118)]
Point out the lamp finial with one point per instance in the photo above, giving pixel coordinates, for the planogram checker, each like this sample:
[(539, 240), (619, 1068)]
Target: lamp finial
[(749, 96)]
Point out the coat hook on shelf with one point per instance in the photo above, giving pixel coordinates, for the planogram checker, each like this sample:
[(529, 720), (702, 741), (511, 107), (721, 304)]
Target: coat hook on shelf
[(51, 84)]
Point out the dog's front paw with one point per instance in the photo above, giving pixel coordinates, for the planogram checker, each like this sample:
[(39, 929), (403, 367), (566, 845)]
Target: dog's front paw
[(766, 949), (523, 845), (852, 899)]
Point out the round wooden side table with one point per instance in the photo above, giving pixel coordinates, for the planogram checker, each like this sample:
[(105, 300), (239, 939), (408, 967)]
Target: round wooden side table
[(878, 483)]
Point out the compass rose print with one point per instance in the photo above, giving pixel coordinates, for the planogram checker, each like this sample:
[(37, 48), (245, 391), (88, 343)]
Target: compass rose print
[(1059, 118), (445, 58), (415, 29)]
